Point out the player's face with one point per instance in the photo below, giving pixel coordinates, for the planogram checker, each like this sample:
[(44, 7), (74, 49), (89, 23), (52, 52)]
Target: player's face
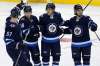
[(28, 14), (50, 11), (79, 12)]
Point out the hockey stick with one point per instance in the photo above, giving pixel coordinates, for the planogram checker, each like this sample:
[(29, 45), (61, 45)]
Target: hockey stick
[(21, 50), (83, 10), (97, 36), (62, 34), (87, 5), (18, 58), (25, 1)]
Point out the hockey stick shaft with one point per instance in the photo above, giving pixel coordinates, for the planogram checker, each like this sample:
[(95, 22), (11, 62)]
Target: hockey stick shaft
[(24, 39), (18, 58), (88, 4), (62, 35), (21, 50), (84, 9), (97, 36)]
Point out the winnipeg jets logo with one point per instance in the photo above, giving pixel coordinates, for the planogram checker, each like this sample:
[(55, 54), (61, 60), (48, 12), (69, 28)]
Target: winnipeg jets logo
[(52, 28), (77, 31)]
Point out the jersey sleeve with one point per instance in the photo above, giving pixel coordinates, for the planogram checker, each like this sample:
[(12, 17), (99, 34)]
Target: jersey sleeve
[(41, 20), (91, 24), (22, 30), (37, 25), (41, 23), (60, 19), (67, 24), (8, 33)]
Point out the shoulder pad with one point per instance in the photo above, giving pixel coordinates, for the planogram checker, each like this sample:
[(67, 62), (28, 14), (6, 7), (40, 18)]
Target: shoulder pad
[(72, 18), (34, 16), (43, 15), (8, 18), (86, 16), (58, 13), (67, 21), (22, 18)]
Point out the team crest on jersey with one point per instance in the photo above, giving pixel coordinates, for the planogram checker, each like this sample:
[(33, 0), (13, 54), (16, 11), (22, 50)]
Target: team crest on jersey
[(52, 28), (78, 31)]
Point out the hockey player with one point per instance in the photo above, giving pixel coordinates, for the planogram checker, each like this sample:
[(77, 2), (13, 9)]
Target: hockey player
[(30, 29), (79, 26), (50, 28), (13, 39)]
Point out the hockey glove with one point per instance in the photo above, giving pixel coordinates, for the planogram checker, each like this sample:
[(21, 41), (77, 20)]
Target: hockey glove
[(37, 35), (93, 26), (20, 46)]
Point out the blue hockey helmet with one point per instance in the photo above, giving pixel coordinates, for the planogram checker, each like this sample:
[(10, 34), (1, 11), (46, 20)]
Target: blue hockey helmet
[(27, 8), (50, 5), (15, 12)]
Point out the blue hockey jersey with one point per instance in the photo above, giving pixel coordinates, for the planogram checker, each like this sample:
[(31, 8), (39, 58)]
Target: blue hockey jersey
[(12, 32), (29, 28), (80, 30), (50, 25)]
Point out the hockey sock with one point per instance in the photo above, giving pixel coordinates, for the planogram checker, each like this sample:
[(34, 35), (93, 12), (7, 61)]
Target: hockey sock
[(45, 63), (78, 65), (39, 64), (55, 63), (86, 65)]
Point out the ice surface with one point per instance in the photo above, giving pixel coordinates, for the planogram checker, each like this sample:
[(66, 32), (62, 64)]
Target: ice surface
[(67, 12)]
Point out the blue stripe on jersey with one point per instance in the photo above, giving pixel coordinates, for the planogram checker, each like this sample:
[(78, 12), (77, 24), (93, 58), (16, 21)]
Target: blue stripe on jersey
[(30, 43), (78, 65), (81, 44), (8, 41), (86, 65), (46, 39)]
